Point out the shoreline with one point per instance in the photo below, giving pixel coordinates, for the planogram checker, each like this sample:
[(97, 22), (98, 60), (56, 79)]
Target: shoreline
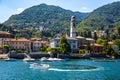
[(62, 56)]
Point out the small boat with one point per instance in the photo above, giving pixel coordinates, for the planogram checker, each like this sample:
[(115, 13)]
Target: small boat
[(10, 59), (28, 59), (54, 59), (57, 59), (43, 59), (39, 66)]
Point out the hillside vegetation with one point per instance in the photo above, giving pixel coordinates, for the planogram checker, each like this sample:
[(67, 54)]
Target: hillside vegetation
[(102, 17), (52, 19)]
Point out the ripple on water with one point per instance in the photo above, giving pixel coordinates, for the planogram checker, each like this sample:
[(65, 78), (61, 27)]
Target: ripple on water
[(71, 67)]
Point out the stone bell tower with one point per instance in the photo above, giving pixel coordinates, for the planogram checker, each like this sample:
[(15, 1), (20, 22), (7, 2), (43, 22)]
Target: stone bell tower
[(73, 27)]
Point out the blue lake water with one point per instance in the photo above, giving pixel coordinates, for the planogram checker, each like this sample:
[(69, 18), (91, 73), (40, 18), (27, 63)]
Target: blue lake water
[(61, 70)]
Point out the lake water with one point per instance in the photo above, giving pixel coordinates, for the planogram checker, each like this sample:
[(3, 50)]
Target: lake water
[(61, 70)]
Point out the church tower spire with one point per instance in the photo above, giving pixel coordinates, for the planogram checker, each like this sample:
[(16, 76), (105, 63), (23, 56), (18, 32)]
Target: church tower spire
[(73, 27)]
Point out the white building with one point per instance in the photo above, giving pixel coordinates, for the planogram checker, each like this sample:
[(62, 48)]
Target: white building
[(72, 41)]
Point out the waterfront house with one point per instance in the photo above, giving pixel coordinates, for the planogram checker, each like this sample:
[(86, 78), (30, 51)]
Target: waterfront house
[(72, 41), (35, 44), (81, 40), (96, 48), (21, 43), (4, 34)]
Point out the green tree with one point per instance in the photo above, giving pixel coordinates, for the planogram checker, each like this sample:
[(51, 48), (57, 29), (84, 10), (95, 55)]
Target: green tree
[(100, 41), (107, 49), (117, 42), (64, 45), (118, 29), (6, 48), (113, 36), (43, 48)]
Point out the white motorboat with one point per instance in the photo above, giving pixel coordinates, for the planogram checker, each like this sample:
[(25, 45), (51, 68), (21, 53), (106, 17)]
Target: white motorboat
[(10, 59), (57, 59), (39, 66), (54, 59), (43, 59), (28, 59)]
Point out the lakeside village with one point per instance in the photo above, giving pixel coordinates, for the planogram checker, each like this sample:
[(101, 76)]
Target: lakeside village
[(63, 46)]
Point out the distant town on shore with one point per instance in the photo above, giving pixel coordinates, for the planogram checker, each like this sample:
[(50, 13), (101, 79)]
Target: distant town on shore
[(62, 44), (70, 33)]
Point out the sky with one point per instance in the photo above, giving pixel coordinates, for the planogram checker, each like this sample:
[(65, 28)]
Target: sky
[(12, 7)]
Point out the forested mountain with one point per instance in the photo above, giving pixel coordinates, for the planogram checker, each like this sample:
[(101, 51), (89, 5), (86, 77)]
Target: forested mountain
[(105, 16), (47, 20), (52, 18)]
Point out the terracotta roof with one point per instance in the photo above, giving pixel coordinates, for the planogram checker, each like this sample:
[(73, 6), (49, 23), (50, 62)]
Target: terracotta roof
[(43, 41), (110, 43), (96, 44), (4, 32), (1, 47), (35, 39), (20, 39)]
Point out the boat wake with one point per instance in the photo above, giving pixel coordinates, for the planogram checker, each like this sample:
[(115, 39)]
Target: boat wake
[(69, 70), (65, 67)]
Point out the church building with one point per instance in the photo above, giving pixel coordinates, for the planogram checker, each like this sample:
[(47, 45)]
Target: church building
[(72, 40)]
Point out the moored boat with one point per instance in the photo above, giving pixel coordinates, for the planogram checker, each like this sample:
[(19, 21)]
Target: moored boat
[(54, 59), (43, 59), (28, 59)]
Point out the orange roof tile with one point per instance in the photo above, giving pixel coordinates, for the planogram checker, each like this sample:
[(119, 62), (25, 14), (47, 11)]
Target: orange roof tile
[(96, 44), (1, 47), (4, 32), (110, 43), (34, 39), (19, 40)]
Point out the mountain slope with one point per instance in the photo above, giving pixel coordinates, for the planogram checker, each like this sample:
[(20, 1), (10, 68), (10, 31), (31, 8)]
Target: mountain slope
[(104, 16), (50, 17)]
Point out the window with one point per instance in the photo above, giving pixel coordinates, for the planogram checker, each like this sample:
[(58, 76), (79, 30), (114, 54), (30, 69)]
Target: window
[(73, 41), (74, 46)]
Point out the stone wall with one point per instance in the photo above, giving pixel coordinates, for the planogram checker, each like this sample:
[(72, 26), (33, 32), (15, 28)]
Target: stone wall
[(22, 56)]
